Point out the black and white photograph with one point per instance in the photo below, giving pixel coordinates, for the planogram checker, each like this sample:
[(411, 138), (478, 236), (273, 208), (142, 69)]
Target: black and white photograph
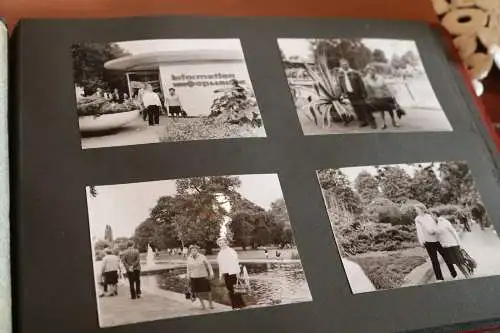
[(168, 90), (361, 85), (192, 246), (409, 224)]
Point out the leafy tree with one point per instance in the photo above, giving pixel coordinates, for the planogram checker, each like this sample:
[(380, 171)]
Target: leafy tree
[(425, 186), (108, 233), (457, 184), (397, 62), (366, 186), (101, 245), (334, 182), (353, 50), (383, 210), (379, 56), (120, 243), (93, 191), (282, 231), (410, 58), (88, 66), (395, 183)]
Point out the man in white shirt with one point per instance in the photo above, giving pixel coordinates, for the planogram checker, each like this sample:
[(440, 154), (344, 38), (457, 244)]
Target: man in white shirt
[(229, 269), (352, 86), (152, 105), (427, 234)]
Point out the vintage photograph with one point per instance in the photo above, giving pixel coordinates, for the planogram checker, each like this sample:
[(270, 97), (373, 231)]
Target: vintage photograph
[(192, 246), (409, 224), (363, 85), (150, 91)]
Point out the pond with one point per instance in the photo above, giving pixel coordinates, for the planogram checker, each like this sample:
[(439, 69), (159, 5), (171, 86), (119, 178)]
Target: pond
[(271, 283)]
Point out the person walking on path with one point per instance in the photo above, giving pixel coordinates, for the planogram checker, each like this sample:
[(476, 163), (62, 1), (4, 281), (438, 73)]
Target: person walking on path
[(152, 105), (448, 237), (229, 269), (110, 270), (199, 274), (427, 234), (131, 261)]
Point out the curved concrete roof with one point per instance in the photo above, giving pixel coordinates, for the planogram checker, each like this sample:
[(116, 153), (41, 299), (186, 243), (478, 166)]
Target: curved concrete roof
[(149, 61)]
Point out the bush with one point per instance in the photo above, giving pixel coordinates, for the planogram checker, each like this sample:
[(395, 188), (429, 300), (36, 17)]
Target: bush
[(383, 210), (408, 212), (97, 106), (454, 213)]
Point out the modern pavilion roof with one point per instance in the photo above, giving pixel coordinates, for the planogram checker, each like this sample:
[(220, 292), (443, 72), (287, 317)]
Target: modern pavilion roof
[(151, 61)]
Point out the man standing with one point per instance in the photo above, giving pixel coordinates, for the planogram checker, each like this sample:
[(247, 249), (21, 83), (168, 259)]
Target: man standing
[(352, 85), (132, 264), (152, 105), (173, 103), (229, 269)]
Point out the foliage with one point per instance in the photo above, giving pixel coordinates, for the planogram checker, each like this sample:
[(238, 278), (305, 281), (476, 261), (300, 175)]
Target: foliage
[(395, 183), (97, 106), (453, 213), (408, 212), (425, 186), (353, 50), (88, 66), (378, 55), (101, 245), (235, 106), (204, 128), (388, 272), (383, 210), (366, 186), (335, 183), (457, 184)]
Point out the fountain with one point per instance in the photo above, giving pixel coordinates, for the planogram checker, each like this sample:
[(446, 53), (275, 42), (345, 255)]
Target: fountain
[(150, 258), (224, 202)]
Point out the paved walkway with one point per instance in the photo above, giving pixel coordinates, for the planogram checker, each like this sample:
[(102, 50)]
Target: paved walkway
[(155, 304), (482, 245)]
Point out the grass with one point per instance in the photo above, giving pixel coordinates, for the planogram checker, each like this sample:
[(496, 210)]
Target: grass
[(387, 270)]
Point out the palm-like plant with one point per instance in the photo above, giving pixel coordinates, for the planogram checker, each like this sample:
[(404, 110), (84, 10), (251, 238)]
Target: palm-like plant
[(331, 105)]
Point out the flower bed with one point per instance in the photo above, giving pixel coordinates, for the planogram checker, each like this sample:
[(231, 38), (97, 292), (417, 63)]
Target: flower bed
[(97, 106)]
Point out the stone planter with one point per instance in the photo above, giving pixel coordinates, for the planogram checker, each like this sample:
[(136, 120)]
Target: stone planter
[(106, 122)]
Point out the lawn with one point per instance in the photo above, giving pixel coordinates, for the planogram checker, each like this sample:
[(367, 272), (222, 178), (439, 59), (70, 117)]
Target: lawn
[(388, 269)]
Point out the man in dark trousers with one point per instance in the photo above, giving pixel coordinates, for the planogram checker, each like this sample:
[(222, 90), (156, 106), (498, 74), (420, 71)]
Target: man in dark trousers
[(353, 87), (152, 105), (131, 261)]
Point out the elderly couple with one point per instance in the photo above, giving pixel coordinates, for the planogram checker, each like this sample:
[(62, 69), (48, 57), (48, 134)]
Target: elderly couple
[(438, 235), (200, 272), (367, 95)]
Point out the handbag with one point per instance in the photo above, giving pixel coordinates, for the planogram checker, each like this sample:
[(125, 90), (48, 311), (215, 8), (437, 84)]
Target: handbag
[(240, 287), (470, 263)]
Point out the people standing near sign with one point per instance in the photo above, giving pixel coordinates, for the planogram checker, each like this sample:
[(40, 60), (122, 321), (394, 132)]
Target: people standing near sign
[(173, 103), (152, 105)]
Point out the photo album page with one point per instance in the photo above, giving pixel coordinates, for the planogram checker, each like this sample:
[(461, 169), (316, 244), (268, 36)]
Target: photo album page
[(244, 174)]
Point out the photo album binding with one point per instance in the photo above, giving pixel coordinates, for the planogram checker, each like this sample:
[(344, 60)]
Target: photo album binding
[(241, 174)]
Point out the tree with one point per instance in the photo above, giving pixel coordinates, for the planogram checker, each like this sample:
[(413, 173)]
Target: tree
[(397, 63), (108, 233), (93, 191), (383, 210), (88, 66), (101, 245), (353, 50), (410, 58), (395, 183), (366, 186), (457, 184), (281, 232), (379, 56), (425, 186), (334, 182), (121, 243)]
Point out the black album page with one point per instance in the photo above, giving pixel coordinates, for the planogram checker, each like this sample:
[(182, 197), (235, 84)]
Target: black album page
[(248, 174)]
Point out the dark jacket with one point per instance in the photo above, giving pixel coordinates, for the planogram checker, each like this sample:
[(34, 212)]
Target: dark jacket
[(358, 86)]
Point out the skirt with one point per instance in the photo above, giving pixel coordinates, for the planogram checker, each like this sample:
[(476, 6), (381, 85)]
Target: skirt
[(454, 255), (111, 277), (200, 285)]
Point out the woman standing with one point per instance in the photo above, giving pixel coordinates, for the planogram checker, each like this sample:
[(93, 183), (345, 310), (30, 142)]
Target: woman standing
[(199, 272), (450, 241), (380, 98)]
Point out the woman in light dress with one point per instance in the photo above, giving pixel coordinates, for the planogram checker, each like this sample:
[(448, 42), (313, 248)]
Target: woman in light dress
[(199, 274)]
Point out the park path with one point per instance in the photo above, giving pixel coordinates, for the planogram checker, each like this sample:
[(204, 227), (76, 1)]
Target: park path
[(155, 304), (482, 245)]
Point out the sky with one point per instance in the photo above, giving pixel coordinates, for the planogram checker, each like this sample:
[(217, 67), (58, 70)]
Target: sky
[(300, 47), (125, 206), (154, 45), (352, 172)]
